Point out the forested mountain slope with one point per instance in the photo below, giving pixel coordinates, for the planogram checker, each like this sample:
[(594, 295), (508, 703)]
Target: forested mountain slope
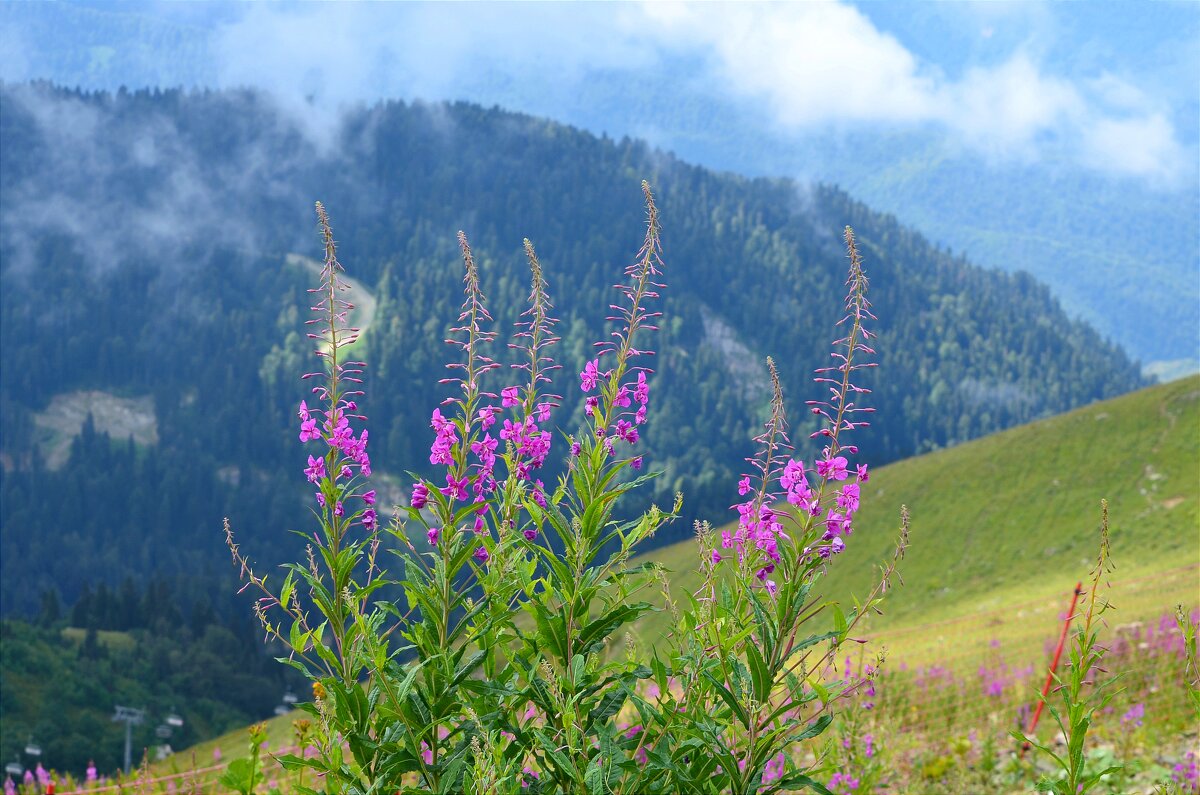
[(1119, 251), (145, 241)]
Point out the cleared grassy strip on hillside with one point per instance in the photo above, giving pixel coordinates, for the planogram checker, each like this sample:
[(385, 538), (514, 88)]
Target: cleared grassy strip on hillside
[(1015, 516)]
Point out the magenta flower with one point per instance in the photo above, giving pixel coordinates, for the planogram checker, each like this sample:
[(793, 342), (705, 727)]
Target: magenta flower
[(835, 524), (744, 486), (420, 496), (369, 497), (481, 555), (432, 534), (455, 488), (848, 499), (862, 473), (369, 518), (315, 470), (587, 378), (308, 430), (508, 397), (641, 392), (832, 468)]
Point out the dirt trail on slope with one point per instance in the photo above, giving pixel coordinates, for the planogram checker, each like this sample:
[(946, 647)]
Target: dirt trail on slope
[(363, 314)]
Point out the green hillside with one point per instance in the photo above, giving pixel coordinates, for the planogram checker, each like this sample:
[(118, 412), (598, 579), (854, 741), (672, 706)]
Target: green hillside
[(1013, 517)]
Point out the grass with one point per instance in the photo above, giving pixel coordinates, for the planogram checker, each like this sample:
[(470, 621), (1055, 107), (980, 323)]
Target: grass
[(109, 639), (363, 313), (1013, 518), (120, 417)]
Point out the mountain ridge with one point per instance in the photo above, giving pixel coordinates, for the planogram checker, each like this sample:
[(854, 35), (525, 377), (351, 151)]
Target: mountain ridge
[(163, 218)]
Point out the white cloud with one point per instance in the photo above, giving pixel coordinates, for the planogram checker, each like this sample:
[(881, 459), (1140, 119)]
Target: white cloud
[(818, 63), (810, 66), (1005, 108), (811, 62), (1142, 146)]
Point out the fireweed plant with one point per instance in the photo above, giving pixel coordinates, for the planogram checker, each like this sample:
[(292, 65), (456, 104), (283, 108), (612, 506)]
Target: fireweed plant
[(1082, 692), (748, 663), (496, 671)]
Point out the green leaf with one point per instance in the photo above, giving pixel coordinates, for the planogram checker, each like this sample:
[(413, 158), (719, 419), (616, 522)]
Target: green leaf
[(762, 679), (799, 781), (729, 699), (605, 625)]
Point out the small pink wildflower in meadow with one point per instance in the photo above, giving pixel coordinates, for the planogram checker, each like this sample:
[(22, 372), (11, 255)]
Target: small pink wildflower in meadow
[(1135, 715), (843, 784), (1187, 773), (774, 769)]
